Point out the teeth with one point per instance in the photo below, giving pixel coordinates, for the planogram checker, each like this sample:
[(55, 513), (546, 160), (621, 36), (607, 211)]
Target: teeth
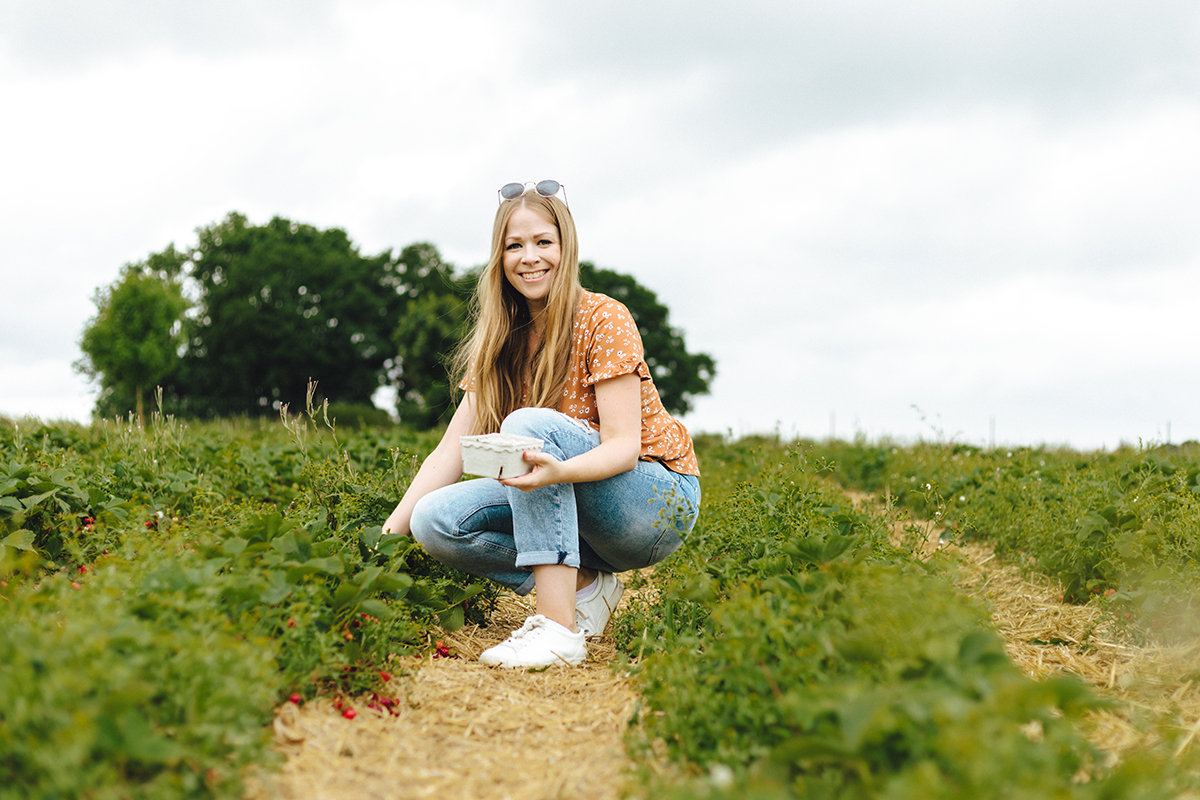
[(529, 276)]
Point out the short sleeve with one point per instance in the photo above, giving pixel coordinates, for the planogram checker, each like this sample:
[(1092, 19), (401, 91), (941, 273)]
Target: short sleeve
[(614, 346)]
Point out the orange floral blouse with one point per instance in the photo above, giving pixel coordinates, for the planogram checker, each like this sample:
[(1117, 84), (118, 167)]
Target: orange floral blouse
[(607, 344)]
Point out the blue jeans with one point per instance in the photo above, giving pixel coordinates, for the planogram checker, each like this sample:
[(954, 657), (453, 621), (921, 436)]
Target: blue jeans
[(628, 521)]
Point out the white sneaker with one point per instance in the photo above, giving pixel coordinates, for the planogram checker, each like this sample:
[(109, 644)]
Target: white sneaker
[(591, 615), (540, 642)]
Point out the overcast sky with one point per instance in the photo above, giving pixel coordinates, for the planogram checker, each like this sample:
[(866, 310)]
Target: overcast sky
[(896, 217)]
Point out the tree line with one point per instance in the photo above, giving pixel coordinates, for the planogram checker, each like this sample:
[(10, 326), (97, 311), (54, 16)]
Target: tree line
[(240, 322)]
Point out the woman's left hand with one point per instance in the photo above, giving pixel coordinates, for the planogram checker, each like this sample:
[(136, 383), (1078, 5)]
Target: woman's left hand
[(546, 470)]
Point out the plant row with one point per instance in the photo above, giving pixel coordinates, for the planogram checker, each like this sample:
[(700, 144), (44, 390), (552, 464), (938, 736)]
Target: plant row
[(793, 650), (1120, 528), (163, 589)]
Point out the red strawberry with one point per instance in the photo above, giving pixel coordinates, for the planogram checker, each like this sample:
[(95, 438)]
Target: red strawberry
[(349, 713), (385, 676), (296, 698)]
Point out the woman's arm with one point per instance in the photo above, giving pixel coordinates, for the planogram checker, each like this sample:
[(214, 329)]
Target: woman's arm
[(442, 468), (619, 403)]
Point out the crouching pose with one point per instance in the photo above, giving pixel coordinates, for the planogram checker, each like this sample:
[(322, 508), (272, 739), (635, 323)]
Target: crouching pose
[(616, 483)]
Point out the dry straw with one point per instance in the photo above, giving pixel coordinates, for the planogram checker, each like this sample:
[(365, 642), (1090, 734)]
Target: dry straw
[(466, 731), (1152, 685)]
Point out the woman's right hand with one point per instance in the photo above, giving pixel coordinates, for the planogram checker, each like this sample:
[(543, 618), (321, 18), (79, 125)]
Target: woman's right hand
[(395, 524), (442, 468)]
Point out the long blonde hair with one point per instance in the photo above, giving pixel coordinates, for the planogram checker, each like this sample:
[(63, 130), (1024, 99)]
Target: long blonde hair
[(493, 359)]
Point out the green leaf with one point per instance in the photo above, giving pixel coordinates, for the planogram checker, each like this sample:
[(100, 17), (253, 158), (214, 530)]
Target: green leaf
[(278, 588), (393, 582), (139, 741), (316, 566), (346, 596), (365, 579), (21, 540), (376, 608), (234, 546), (452, 618)]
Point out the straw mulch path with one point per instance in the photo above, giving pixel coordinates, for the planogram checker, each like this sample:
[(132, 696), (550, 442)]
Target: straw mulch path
[(466, 731), (1151, 684)]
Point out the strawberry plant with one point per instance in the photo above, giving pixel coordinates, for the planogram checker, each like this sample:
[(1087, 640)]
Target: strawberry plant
[(162, 588)]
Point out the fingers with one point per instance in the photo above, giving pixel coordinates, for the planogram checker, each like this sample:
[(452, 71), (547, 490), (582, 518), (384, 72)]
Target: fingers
[(542, 474), (540, 458)]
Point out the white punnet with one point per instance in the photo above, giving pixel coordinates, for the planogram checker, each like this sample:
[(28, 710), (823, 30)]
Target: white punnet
[(497, 455)]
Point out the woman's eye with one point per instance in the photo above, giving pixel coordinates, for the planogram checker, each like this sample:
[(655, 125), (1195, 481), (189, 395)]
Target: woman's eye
[(513, 246), (545, 243)]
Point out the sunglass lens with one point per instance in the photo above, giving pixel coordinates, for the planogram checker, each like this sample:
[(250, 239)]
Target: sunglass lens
[(511, 191), (548, 188)]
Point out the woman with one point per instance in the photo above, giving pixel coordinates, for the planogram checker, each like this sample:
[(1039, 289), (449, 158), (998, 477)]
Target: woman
[(616, 482)]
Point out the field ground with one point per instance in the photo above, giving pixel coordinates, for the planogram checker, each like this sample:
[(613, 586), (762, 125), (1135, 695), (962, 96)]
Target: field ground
[(1044, 636), (209, 571), (469, 731)]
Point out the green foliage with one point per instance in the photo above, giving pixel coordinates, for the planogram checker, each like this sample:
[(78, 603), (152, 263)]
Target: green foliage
[(284, 303), (792, 651), (424, 339), (162, 588), (350, 416), (281, 304), (133, 341), (864, 680), (1120, 528), (679, 375), (747, 530), (104, 697)]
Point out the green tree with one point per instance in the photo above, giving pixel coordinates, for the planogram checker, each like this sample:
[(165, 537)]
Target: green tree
[(283, 303), (432, 324), (133, 342), (425, 338), (679, 375)]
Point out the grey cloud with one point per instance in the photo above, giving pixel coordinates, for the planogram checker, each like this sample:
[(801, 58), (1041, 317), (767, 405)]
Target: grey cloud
[(783, 68), (60, 35)]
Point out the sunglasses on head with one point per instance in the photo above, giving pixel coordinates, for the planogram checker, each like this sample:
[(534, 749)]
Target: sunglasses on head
[(511, 191)]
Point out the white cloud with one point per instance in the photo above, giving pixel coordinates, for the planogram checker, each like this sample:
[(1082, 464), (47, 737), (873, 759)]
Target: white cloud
[(855, 206)]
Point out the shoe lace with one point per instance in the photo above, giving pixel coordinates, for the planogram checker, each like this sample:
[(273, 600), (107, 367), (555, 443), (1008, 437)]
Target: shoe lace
[(532, 624)]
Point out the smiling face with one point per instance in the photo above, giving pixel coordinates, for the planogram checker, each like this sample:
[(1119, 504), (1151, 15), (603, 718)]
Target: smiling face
[(532, 251)]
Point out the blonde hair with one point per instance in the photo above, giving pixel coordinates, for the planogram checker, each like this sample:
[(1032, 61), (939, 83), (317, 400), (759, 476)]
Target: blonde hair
[(493, 360)]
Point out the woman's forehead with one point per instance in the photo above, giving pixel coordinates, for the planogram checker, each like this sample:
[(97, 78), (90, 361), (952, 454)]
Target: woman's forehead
[(526, 220)]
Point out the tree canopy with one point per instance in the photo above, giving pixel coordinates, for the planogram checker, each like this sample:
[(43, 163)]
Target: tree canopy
[(134, 340), (280, 304)]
